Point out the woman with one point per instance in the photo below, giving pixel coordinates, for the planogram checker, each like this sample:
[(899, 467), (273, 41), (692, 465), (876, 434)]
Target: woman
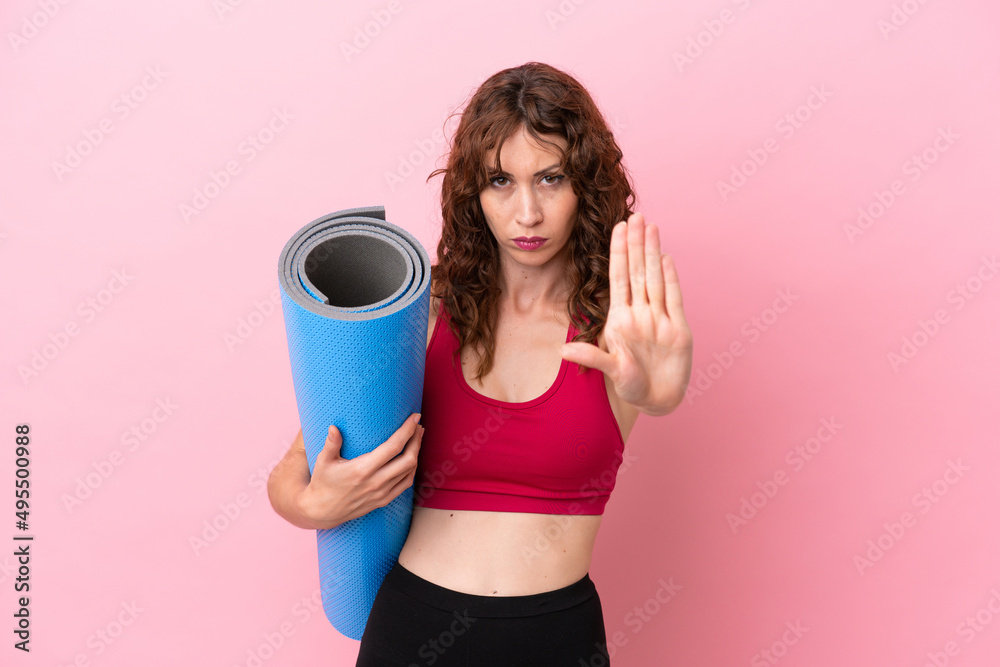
[(516, 468)]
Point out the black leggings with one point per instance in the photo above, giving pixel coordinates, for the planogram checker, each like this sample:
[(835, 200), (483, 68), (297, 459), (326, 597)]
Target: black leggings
[(414, 622)]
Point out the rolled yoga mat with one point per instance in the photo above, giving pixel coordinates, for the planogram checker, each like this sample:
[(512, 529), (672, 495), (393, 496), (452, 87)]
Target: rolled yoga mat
[(355, 291)]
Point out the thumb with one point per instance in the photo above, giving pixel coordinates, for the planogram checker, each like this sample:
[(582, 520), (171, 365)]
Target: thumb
[(587, 354), (331, 448)]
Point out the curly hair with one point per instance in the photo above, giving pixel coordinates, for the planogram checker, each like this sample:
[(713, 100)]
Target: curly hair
[(467, 275)]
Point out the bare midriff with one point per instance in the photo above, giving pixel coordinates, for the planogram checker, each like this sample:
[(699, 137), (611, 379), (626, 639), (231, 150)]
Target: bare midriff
[(504, 553), (499, 553)]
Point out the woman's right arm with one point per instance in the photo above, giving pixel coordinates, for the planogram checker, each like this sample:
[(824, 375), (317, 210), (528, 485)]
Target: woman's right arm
[(343, 489)]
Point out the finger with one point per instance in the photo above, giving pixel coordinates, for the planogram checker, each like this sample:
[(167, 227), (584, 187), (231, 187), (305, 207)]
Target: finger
[(654, 271), (618, 270), (406, 464), (636, 266), (588, 355), (400, 485), (401, 466), (388, 450), (675, 304)]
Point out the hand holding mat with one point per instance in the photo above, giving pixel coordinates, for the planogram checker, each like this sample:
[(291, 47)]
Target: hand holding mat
[(355, 294)]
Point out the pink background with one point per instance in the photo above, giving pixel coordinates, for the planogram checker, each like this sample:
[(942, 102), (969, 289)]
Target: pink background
[(186, 289)]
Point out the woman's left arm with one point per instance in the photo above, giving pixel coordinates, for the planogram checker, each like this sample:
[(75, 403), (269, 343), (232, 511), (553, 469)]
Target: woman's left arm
[(646, 344)]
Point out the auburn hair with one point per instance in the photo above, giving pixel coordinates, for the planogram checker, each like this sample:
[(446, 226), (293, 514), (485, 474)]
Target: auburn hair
[(467, 274)]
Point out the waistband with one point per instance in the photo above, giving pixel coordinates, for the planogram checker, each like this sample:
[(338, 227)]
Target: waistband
[(487, 606)]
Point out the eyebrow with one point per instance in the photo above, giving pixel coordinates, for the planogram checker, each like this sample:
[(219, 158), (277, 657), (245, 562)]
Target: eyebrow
[(537, 173)]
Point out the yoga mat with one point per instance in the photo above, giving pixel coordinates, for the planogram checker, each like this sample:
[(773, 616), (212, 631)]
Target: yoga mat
[(355, 293)]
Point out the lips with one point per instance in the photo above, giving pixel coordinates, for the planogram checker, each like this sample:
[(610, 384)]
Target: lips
[(529, 242)]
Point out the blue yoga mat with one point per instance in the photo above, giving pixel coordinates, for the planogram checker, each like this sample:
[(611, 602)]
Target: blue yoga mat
[(355, 293)]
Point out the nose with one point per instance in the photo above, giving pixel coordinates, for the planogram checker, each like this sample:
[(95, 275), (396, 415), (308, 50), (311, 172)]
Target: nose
[(528, 211)]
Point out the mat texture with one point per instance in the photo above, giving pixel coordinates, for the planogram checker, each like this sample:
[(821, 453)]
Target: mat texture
[(355, 293)]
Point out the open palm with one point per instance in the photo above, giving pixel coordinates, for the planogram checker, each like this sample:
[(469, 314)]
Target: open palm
[(647, 345)]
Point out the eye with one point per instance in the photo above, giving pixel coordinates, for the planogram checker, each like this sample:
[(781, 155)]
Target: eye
[(499, 180), (553, 179)]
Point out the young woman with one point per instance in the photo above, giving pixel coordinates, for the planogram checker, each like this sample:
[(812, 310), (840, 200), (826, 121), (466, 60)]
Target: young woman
[(554, 321)]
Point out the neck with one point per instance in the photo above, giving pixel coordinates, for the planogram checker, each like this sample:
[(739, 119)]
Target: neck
[(527, 289)]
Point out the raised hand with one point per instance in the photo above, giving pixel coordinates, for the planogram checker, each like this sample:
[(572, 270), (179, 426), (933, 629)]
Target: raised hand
[(647, 345)]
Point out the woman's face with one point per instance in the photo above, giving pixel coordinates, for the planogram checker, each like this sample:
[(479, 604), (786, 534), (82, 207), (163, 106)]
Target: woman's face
[(530, 198)]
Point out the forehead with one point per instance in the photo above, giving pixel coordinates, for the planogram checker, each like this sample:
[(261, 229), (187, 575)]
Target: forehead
[(521, 147)]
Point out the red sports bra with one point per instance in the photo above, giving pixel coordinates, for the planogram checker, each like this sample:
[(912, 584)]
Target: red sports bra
[(555, 454)]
